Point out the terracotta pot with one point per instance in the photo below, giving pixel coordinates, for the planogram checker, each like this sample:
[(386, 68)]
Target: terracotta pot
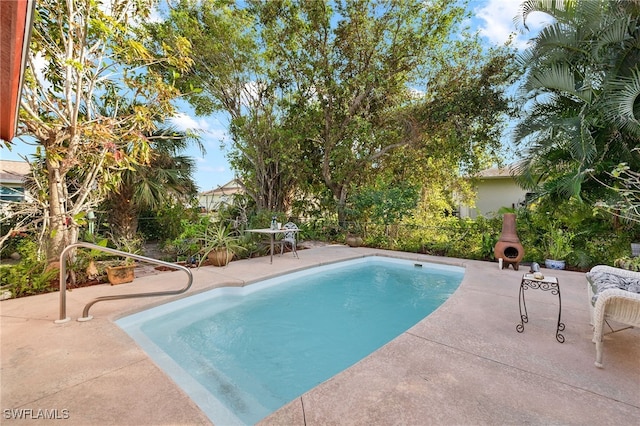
[(220, 257), (353, 241), (121, 274)]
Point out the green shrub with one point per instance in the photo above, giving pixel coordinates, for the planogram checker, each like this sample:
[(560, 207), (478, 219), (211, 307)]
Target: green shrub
[(166, 223), (600, 248), (262, 219), (186, 244), (10, 246), (629, 263), (29, 276)]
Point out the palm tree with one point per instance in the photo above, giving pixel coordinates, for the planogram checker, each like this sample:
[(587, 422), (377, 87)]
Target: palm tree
[(166, 179), (580, 95)]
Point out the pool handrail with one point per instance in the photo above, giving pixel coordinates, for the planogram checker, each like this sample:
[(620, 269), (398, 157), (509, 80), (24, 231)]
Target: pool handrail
[(85, 313)]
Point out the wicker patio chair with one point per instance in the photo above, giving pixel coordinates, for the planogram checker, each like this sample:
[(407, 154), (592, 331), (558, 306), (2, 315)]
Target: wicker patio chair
[(613, 304)]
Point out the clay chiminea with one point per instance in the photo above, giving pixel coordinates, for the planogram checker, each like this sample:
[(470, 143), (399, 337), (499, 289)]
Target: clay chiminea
[(508, 246)]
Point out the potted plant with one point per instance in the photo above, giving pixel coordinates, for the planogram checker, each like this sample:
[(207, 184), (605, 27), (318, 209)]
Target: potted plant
[(123, 271), (219, 245), (121, 274), (353, 240), (558, 248), (92, 256), (354, 235)]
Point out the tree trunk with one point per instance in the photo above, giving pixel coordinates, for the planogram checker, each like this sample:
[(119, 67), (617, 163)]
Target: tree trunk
[(124, 217), (342, 207), (59, 220)]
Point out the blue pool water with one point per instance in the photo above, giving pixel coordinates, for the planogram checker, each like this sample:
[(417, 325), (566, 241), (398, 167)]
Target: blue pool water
[(242, 353)]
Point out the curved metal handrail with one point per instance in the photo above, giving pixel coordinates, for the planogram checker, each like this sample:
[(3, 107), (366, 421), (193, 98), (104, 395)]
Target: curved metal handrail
[(85, 313)]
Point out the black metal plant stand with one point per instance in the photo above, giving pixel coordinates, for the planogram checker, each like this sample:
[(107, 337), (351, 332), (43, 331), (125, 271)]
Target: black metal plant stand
[(546, 284)]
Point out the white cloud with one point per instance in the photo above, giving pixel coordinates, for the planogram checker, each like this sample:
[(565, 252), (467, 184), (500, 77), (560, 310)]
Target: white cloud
[(184, 122), (497, 22), (209, 127)]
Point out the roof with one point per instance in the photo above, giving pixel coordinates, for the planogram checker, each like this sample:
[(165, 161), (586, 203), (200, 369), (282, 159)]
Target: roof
[(15, 31), (13, 171), (232, 187), (496, 173)]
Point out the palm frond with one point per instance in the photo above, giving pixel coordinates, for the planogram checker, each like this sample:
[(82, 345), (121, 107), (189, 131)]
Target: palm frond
[(560, 9), (561, 78), (556, 36), (581, 93), (582, 146), (615, 31), (622, 104)]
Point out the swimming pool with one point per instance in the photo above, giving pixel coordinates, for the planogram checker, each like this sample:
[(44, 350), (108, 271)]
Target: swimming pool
[(241, 353)]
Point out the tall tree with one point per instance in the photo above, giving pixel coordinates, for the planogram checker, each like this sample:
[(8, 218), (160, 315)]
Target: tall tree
[(166, 180), (232, 75), (460, 121), (580, 98), (87, 56), (321, 93), (355, 66)]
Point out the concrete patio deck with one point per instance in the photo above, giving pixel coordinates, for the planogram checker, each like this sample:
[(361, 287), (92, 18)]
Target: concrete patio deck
[(464, 364)]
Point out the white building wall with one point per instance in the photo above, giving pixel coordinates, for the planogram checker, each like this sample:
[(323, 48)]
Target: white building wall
[(491, 195)]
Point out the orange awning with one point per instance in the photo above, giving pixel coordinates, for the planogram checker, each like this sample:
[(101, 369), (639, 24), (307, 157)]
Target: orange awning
[(15, 28)]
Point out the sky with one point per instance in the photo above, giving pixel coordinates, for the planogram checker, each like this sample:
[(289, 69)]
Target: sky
[(493, 18)]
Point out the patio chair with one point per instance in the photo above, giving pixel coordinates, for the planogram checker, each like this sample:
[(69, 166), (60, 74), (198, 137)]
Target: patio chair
[(289, 238), (614, 295)]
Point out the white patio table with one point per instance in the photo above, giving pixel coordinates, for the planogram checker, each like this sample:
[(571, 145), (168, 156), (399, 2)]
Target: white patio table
[(272, 233)]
